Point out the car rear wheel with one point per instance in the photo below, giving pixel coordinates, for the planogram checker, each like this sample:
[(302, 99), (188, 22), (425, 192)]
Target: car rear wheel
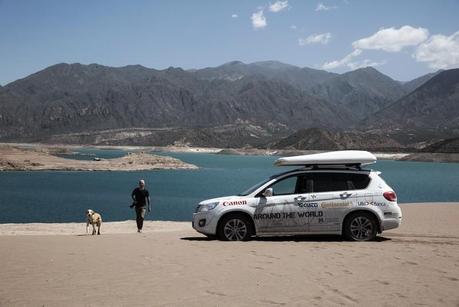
[(360, 226), (235, 228)]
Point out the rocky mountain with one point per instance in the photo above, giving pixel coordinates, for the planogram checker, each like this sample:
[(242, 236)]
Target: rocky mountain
[(78, 98), (444, 146), (231, 105), (301, 78), (431, 108), (415, 83), (359, 92), (318, 139), (228, 136)]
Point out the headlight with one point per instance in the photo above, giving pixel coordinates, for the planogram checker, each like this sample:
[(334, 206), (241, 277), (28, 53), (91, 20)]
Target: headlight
[(206, 207)]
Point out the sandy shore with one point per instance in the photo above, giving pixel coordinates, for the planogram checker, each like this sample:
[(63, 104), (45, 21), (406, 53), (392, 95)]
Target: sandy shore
[(171, 265)]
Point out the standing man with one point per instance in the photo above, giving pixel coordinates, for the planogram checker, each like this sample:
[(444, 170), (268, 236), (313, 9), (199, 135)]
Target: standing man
[(141, 198)]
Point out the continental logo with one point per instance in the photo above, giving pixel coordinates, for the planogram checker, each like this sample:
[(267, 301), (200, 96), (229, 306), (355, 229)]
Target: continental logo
[(234, 202), (336, 204)]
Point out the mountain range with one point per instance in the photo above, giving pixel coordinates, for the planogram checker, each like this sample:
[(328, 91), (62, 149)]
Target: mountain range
[(261, 103)]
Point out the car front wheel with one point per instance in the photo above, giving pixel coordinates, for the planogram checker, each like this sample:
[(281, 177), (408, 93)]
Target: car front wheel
[(360, 226), (235, 228)]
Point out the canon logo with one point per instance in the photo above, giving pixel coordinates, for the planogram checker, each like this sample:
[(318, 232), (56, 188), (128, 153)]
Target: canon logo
[(234, 202)]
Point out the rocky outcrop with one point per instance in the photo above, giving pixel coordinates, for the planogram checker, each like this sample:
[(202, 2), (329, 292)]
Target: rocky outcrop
[(38, 158)]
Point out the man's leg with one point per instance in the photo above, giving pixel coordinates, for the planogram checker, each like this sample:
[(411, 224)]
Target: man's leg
[(137, 217), (140, 215)]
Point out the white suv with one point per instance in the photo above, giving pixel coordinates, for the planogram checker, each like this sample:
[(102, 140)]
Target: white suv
[(330, 194)]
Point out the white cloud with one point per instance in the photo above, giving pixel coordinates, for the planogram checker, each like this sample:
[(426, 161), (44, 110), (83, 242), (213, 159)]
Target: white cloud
[(323, 39), (278, 6), (344, 61), (349, 61), (364, 63), (389, 39), (323, 7), (439, 51), (234, 16), (293, 27), (392, 39), (259, 19)]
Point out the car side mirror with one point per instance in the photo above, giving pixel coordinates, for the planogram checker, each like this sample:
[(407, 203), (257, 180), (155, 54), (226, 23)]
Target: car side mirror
[(268, 192)]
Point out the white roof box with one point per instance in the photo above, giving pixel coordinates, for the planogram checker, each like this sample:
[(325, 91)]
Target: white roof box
[(342, 157)]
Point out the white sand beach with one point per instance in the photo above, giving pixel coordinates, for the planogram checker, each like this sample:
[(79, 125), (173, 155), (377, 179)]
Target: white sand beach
[(172, 265)]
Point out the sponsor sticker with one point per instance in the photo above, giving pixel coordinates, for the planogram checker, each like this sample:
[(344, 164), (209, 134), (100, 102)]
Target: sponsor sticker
[(336, 204), (287, 215), (234, 202), (307, 205), (371, 203)]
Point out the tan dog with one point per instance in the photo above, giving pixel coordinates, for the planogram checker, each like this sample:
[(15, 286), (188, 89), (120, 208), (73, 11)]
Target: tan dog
[(94, 219)]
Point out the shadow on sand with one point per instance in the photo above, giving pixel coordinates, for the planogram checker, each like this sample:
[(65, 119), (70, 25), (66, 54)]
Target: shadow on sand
[(303, 238)]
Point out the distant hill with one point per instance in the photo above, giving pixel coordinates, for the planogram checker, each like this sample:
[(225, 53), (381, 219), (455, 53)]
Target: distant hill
[(234, 104), (445, 146), (78, 98), (415, 83), (302, 78), (359, 93), (227, 136), (432, 107), (317, 139)]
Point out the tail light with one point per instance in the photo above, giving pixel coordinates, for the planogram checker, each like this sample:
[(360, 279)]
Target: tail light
[(390, 196)]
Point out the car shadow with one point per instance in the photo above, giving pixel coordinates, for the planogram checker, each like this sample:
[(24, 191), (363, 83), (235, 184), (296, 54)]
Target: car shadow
[(298, 238)]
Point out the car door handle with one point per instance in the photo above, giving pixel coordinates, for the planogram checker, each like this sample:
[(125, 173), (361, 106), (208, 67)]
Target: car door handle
[(300, 198), (345, 195)]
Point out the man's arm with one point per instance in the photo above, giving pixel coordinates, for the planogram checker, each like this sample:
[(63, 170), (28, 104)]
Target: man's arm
[(133, 195), (133, 198), (148, 201)]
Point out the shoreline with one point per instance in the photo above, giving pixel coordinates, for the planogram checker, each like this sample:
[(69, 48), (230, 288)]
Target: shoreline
[(40, 157), (126, 226), (395, 156)]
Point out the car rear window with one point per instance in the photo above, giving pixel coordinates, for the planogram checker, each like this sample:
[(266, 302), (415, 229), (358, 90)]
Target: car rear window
[(360, 181)]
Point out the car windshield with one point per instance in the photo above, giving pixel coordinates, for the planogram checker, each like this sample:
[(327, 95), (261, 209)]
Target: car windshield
[(252, 189)]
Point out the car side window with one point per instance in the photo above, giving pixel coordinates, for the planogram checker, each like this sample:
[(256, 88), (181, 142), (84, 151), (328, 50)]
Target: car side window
[(329, 182), (285, 186)]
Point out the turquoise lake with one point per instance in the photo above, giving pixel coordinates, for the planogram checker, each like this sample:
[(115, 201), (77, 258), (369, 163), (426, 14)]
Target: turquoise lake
[(27, 197)]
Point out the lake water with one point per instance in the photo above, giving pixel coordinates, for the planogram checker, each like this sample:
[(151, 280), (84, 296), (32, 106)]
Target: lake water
[(64, 196)]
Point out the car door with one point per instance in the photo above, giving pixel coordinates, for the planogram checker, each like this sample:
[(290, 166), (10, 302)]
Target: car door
[(334, 198), (279, 213)]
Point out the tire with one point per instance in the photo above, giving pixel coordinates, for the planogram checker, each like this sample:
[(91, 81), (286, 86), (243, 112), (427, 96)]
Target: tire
[(360, 226), (235, 227)]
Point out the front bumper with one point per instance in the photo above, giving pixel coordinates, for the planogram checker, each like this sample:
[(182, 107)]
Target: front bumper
[(205, 223)]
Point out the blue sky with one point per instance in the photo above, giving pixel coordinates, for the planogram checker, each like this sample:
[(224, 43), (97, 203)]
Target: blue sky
[(403, 39)]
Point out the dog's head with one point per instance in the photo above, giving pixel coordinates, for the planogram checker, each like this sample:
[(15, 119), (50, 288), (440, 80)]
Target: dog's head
[(89, 212)]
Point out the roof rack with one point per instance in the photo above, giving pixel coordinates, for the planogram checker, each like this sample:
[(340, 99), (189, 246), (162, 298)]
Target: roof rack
[(355, 166), (340, 167)]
